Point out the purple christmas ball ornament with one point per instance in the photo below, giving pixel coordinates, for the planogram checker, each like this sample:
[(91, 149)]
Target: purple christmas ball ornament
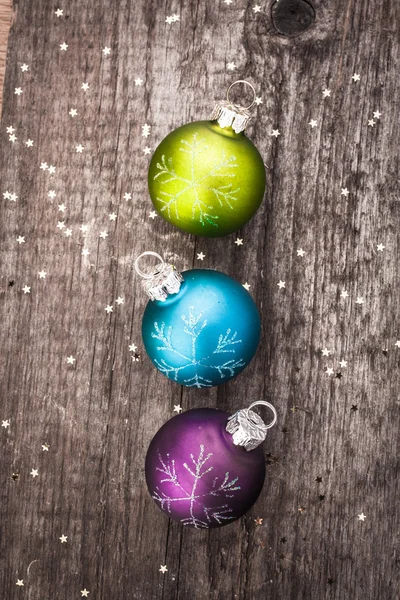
[(205, 468)]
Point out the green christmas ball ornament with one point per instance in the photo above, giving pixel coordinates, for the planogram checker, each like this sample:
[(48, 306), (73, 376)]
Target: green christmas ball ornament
[(207, 177)]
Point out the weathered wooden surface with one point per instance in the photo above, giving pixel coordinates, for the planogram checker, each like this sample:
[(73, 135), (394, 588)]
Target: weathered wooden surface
[(5, 13), (98, 415)]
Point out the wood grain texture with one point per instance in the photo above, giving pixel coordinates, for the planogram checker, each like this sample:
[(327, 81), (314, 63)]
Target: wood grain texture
[(5, 18), (99, 415)]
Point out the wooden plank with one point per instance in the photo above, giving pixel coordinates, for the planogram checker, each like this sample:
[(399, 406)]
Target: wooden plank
[(5, 18), (98, 414)]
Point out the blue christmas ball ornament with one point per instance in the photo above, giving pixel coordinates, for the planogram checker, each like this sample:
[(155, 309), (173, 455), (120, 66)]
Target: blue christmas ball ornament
[(201, 327)]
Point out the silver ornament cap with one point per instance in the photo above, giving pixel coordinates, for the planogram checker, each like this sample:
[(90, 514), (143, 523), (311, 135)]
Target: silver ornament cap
[(162, 281), (247, 427), (233, 115)]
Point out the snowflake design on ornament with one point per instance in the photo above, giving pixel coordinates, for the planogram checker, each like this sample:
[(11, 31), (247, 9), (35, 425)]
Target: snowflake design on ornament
[(193, 328), (223, 194), (197, 501)]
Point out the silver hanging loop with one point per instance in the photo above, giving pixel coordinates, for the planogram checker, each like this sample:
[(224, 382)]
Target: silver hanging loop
[(247, 427), (233, 115), (161, 281)]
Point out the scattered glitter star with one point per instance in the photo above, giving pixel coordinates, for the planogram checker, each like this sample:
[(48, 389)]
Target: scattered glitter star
[(63, 46), (106, 51), (24, 68), (146, 130), (18, 91), (326, 352), (44, 166), (239, 242), (152, 214), (21, 239), (62, 207), (329, 371), (354, 408), (113, 216), (228, 2), (326, 93), (109, 309), (231, 66), (343, 364), (356, 77), (103, 235), (120, 300), (29, 143), (127, 196), (52, 194), (85, 593), (79, 148), (85, 252), (397, 344), (83, 228), (138, 81), (20, 582), (163, 569), (177, 408), (257, 8), (63, 539), (345, 192), (5, 424), (168, 20), (371, 122), (258, 100), (362, 517), (377, 114), (281, 284), (45, 447), (68, 232), (73, 112), (344, 294), (52, 169), (12, 137), (60, 224), (42, 274), (70, 360), (26, 289), (146, 151), (201, 256), (132, 347), (10, 129), (313, 123), (175, 18), (13, 197), (34, 473), (258, 521), (85, 87), (360, 300), (275, 133), (59, 12), (380, 247), (246, 286), (300, 252)]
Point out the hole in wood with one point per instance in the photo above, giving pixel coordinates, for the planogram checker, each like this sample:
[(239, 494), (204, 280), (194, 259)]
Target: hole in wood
[(292, 17)]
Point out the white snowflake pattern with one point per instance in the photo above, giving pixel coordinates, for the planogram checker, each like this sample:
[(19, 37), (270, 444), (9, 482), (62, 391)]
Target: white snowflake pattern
[(197, 501), (193, 327), (199, 185)]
